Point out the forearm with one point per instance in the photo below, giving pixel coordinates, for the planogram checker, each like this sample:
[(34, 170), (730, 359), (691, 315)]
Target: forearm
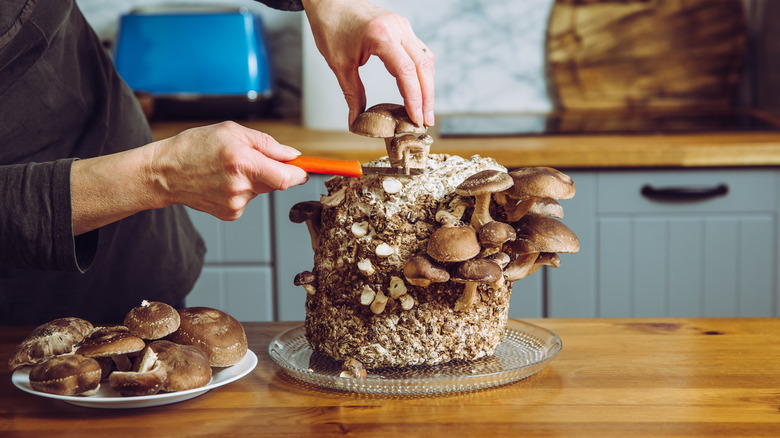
[(109, 188)]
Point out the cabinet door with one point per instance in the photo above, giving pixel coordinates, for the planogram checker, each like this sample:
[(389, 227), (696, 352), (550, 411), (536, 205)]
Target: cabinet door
[(292, 247), (570, 289), (703, 257), (245, 292), (238, 275)]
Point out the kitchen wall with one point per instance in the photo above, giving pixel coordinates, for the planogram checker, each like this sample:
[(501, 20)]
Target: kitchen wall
[(489, 55)]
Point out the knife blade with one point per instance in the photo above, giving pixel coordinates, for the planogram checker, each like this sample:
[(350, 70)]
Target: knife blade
[(348, 167)]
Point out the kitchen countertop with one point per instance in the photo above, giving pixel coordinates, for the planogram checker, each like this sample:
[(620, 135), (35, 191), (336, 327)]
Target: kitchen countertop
[(725, 149), (681, 377)]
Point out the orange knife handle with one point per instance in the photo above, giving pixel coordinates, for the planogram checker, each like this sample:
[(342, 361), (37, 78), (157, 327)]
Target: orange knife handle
[(328, 166)]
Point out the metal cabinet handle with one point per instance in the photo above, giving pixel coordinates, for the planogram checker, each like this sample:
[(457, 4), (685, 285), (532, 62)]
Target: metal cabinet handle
[(683, 193)]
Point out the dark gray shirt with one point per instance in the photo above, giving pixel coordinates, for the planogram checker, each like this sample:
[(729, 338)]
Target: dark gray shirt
[(60, 100)]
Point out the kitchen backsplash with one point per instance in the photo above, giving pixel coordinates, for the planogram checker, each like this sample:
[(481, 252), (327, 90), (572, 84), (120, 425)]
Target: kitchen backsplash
[(489, 54)]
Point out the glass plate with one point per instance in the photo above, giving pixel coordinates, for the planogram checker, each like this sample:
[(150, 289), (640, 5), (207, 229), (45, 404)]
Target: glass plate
[(525, 350), (107, 398)]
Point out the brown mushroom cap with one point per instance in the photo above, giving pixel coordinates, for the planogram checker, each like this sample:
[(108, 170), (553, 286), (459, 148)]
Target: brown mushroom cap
[(56, 337), (537, 233), (485, 182), (303, 278), (494, 234), (106, 329), (541, 182), (309, 212), (186, 366), (421, 270), (71, 374), (384, 120), (453, 243), (218, 334), (304, 211), (476, 271), (152, 320), (111, 344), (473, 272)]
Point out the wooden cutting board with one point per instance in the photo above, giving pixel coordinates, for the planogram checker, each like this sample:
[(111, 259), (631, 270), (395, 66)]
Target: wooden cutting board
[(669, 54)]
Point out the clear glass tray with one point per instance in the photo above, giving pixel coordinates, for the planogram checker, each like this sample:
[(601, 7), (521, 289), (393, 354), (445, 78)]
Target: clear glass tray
[(525, 350)]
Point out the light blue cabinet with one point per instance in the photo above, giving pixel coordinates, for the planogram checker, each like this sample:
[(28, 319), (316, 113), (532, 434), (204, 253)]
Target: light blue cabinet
[(640, 256), (239, 273)]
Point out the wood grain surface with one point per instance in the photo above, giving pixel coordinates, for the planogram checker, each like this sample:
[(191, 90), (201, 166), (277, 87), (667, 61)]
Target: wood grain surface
[(563, 151), (645, 53), (613, 378)]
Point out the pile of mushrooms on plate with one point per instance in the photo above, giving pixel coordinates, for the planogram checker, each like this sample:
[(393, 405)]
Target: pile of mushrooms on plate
[(501, 226), (156, 349)]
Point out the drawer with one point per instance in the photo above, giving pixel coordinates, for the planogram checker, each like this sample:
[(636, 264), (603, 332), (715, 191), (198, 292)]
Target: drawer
[(696, 191)]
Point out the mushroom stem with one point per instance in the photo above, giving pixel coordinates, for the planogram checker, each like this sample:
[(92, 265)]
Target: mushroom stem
[(481, 214), (122, 362), (519, 210), (467, 298), (314, 233), (520, 267)]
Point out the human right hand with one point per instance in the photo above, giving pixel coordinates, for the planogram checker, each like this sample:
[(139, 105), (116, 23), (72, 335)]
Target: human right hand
[(348, 32), (216, 169)]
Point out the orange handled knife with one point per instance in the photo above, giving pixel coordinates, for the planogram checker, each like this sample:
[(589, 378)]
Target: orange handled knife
[(347, 167)]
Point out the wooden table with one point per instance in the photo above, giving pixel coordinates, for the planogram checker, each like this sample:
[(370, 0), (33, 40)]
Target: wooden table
[(613, 378)]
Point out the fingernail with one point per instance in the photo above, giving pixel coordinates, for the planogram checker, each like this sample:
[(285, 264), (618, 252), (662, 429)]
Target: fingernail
[(292, 150), (419, 120), (429, 118)]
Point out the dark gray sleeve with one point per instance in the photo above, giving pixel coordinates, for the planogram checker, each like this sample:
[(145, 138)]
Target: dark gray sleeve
[(284, 5), (36, 223)]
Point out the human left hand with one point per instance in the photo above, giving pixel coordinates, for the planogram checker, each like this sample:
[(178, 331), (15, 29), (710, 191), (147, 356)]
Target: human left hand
[(348, 32)]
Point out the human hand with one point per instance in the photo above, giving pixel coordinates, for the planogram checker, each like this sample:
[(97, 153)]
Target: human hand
[(348, 32), (218, 169)]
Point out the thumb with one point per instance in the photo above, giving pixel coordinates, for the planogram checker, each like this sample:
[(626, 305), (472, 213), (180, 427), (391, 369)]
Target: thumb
[(354, 92)]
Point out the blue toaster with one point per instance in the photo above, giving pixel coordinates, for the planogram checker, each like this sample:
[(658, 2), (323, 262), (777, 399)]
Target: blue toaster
[(196, 63)]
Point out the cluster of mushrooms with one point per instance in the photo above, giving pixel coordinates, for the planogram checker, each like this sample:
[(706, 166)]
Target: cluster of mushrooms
[(157, 349), (513, 229)]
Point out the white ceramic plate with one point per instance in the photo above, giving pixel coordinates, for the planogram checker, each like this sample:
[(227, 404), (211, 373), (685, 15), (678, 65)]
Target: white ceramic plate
[(107, 398)]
